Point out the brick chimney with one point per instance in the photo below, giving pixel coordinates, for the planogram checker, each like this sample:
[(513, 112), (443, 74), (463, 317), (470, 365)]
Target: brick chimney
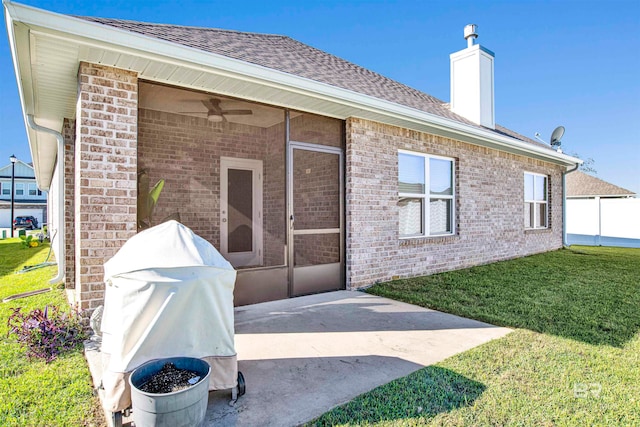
[(472, 81)]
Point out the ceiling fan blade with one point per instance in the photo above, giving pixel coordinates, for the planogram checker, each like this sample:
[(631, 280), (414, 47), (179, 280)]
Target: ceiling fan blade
[(207, 104), (212, 105), (237, 112)]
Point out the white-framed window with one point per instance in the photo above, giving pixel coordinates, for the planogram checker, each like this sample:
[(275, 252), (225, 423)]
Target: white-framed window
[(19, 189), (536, 206), (426, 195), (6, 188), (33, 190)]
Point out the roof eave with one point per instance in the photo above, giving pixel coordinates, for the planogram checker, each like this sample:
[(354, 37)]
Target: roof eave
[(92, 35), (602, 196), (17, 36)]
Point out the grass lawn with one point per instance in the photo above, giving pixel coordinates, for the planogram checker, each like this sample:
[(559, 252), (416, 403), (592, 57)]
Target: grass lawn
[(573, 359), (34, 393)]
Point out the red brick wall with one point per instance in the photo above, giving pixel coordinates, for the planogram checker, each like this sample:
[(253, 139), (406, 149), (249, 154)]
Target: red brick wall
[(105, 173), (489, 206)]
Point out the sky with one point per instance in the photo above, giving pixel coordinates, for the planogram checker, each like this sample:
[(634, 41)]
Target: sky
[(571, 63)]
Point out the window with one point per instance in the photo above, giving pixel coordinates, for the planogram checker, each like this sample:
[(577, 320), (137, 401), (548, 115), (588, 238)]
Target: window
[(535, 201), (426, 195), (6, 189), (19, 189), (33, 190)]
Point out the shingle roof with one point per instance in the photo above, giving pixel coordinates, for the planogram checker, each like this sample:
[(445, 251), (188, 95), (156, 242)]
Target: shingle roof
[(285, 54), (580, 184)]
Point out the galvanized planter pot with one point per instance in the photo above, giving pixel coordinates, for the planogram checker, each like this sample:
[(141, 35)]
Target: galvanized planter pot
[(180, 408)]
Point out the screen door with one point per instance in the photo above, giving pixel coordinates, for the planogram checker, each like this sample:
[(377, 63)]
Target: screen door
[(316, 218)]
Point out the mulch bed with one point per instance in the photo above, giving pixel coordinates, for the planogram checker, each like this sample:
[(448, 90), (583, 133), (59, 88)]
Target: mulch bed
[(170, 379)]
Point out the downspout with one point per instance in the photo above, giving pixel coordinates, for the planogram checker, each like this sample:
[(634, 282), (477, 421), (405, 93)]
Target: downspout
[(61, 217), (564, 204)]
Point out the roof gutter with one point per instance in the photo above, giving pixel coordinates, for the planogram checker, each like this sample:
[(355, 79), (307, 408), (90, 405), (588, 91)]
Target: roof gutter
[(60, 255), (565, 243)]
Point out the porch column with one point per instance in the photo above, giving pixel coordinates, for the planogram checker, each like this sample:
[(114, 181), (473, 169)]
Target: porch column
[(105, 173)]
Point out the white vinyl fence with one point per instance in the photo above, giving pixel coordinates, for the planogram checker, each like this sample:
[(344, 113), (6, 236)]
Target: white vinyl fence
[(604, 222)]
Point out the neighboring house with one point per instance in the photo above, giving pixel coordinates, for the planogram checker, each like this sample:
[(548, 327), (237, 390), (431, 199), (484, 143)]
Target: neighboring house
[(308, 172), (28, 200), (581, 185), (600, 213)]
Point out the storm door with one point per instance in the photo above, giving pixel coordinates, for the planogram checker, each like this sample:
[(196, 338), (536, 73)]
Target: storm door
[(315, 218), (241, 211)]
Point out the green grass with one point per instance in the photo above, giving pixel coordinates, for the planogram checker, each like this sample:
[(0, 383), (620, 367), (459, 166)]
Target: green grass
[(573, 359), (34, 393)]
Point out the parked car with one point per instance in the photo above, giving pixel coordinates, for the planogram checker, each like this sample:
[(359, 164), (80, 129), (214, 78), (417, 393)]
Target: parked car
[(28, 222)]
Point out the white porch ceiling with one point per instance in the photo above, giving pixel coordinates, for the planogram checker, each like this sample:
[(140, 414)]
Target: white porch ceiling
[(188, 102)]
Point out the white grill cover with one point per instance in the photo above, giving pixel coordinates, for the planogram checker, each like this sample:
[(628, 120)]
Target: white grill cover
[(168, 293)]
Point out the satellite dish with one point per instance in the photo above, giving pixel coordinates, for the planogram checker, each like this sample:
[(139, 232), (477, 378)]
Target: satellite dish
[(556, 136)]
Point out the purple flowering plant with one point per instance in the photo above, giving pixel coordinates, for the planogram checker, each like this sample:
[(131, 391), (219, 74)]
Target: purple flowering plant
[(46, 333)]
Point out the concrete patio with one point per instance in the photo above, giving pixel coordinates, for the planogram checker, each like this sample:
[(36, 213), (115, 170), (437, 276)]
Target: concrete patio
[(303, 356)]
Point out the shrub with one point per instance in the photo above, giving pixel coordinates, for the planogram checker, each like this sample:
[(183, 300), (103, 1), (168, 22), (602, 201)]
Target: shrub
[(27, 240), (46, 334)]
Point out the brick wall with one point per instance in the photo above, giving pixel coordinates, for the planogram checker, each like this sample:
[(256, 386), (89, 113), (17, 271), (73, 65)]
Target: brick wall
[(316, 129), (316, 195), (489, 206), (113, 137), (105, 173), (185, 151), (275, 209), (315, 249), (69, 133)]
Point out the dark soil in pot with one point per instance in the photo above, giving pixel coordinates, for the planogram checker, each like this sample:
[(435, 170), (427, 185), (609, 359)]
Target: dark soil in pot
[(170, 379)]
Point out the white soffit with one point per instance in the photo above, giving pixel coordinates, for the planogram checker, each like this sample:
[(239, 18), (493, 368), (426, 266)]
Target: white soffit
[(48, 47)]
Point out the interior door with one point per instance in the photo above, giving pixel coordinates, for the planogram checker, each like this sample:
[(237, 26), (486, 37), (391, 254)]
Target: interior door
[(316, 218), (241, 211)]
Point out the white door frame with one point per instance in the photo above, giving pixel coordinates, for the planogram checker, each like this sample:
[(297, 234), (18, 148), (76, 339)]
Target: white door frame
[(254, 257)]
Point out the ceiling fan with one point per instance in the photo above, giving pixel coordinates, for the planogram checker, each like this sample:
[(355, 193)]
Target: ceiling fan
[(215, 113)]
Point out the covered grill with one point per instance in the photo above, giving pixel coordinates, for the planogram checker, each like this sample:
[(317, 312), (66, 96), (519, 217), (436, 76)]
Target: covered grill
[(168, 293)]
